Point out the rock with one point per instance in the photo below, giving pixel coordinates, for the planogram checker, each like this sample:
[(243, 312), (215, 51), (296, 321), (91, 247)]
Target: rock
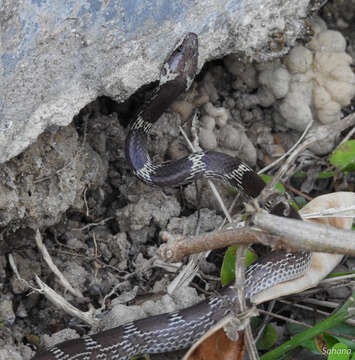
[(58, 337), (75, 274), (184, 297), (7, 315), (3, 277), (312, 82), (26, 267), (154, 208), (119, 246), (206, 219), (38, 186), (278, 81), (56, 57), (11, 347), (121, 314)]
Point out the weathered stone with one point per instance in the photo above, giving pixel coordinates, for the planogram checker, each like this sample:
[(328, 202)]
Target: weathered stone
[(57, 56), (39, 185)]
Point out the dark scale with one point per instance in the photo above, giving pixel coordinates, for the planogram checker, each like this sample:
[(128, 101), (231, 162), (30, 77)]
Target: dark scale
[(178, 330)]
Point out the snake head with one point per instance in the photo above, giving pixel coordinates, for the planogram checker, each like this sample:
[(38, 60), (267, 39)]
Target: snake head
[(181, 64)]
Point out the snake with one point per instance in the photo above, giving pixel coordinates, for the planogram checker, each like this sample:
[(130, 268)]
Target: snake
[(179, 329)]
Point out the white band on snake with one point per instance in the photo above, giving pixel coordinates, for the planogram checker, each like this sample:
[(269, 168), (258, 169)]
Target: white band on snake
[(178, 330)]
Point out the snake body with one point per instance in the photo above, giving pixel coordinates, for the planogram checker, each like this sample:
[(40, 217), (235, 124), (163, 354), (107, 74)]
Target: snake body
[(178, 330)]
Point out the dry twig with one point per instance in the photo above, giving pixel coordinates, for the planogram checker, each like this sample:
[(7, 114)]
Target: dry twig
[(178, 246), (308, 308), (48, 259), (58, 300), (320, 133), (241, 306), (88, 317), (268, 167), (297, 234), (279, 232)]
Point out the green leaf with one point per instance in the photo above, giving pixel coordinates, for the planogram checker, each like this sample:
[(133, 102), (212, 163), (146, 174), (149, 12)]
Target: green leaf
[(332, 275), (227, 269), (267, 339), (309, 344), (278, 186), (281, 189), (321, 175), (325, 175), (295, 205), (339, 352), (301, 201), (344, 329), (330, 340), (343, 157), (300, 174), (341, 329)]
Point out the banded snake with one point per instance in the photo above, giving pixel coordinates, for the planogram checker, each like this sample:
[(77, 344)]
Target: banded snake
[(178, 330)]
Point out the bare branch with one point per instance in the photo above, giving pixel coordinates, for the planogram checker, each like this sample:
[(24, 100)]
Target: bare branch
[(315, 135), (266, 168), (16, 272), (241, 305), (178, 246), (275, 231), (58, 300), (47, 258), (297, 234)]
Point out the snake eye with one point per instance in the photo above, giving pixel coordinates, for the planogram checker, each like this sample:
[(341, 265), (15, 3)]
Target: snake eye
[(180, 48)]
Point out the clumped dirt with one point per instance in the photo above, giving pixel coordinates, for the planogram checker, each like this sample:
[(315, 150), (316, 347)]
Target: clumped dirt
[(99, 223)]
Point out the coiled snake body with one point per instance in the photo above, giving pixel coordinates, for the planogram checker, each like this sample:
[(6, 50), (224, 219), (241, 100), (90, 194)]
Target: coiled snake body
[(178, 330)]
